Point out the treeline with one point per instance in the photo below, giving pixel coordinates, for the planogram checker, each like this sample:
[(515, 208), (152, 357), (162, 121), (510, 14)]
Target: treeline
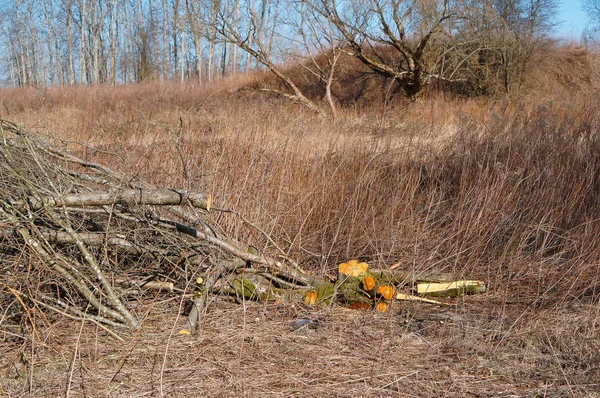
[(62, 42), (484, 46)]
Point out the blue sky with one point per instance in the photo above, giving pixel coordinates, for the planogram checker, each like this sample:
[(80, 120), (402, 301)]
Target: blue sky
[(573, 19)]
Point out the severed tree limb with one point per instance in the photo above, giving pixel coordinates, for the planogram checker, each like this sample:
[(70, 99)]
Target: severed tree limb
[(200, 296), (53, 262), (147, 285), (130, 196), (99, 239), (97, 271), (235, 248), (70, 310)]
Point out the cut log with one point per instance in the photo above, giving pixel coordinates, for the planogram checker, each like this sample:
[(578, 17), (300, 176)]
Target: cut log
[(368, 284), (254, 287), (322, 293), (352, 269), (147, 285), (311, 297), (158, 197), (450, 289), (386, 291), (408, 297), (361, 288)]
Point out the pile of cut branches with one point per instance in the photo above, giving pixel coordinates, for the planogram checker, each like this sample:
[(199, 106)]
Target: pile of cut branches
[(79, 239), (70, 230)]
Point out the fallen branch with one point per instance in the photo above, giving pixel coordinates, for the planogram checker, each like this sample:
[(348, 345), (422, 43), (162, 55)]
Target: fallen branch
[(157, 197)]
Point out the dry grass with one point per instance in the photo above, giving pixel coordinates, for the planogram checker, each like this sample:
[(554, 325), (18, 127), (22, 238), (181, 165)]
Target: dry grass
[(505, 192)]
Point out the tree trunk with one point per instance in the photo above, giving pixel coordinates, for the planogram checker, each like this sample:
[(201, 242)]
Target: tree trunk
[(70, 50), (165, 71), (183, 55), (113, 42), (82, 40), (175, 43)]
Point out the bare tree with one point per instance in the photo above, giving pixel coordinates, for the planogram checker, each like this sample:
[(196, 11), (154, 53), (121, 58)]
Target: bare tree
[(373, 27), (196, 30), (114, 11), (260, 50), (506, 36), (247, 31), (70, 39), (320, 46), (592, 9)]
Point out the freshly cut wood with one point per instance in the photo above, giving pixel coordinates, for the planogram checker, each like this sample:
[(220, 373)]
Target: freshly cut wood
[(368, 283), (359, 306), (323, 292), (353, 268), (254, 287), (364, 288), (387, 292), (408, 297), (450, 289), (311, 297)]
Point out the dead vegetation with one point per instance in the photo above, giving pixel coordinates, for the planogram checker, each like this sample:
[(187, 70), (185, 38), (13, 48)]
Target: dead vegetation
[(508, 196)]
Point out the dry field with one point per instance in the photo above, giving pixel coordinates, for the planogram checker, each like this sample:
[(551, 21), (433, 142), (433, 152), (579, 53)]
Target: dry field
[(506, 192)]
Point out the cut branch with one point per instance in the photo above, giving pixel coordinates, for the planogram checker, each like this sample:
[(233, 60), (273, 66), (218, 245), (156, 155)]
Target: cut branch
[(159, 197)]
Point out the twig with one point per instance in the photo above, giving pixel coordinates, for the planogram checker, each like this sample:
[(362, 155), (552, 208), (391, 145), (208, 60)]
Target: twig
[(75, 353), (180, 152)]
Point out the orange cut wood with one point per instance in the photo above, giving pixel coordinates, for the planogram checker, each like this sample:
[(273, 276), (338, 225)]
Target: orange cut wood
[(311, 297), (359, 306), (368, 283), (353, 268), (382, 306), (387, 292)]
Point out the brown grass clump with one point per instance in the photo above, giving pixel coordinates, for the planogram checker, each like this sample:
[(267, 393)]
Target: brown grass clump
[(498, 191)]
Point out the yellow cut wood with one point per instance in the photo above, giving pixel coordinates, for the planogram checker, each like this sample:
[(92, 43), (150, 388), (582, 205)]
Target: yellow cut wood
[(450, 289), (408, 297), (311, 297), (353, 268), (368, 283), (387, 292)]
